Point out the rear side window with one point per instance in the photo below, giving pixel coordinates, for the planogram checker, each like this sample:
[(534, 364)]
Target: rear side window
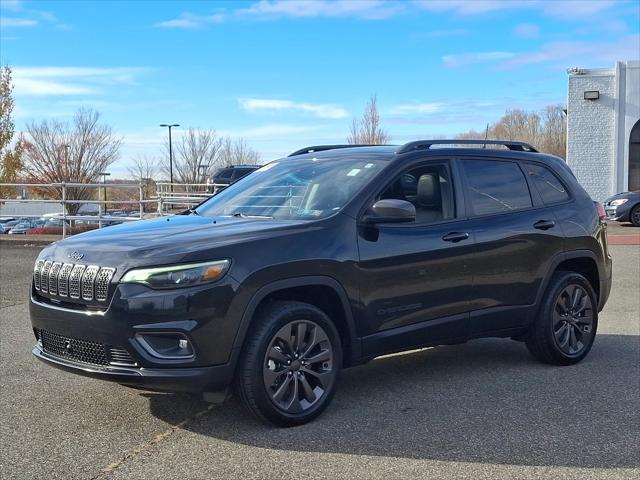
[(550, 188), (496, 186), (225, 174)]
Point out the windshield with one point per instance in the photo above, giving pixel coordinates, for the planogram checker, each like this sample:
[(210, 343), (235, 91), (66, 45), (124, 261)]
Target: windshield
[(303, 189)]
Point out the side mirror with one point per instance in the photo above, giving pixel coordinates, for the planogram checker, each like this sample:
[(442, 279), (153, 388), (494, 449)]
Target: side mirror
[(391, 211)]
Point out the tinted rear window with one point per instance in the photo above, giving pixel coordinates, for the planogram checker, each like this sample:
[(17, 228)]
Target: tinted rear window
[(496, 186), (550, 188)]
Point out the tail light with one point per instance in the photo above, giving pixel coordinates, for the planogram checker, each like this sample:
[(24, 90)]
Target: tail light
[(601, 213)]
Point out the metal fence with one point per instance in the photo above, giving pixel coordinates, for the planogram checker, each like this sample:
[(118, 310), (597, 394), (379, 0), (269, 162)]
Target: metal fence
[(169, 199)]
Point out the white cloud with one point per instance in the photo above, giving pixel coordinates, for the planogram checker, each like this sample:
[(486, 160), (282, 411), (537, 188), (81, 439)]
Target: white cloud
[(416, 108), (322, 110), (574, 53), (6, 22), (59, 81), (526, 30), (363, 9), (462, 59), (565, 9), (276, 131), (189, 20)]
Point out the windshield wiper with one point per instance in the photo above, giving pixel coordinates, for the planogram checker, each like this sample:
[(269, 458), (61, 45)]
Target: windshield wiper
[(242, 215)]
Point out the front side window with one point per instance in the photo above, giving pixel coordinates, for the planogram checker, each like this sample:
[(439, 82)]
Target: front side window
[(547, 184), (429, 189), (294, 189), (495, 186)]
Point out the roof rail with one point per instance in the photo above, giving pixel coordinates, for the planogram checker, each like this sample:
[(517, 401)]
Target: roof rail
[(320, 148), (427, 144)]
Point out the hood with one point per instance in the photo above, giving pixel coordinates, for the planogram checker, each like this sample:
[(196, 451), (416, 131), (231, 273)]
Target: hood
[(165, 240)]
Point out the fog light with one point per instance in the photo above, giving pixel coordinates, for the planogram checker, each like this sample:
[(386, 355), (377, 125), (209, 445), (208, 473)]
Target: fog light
[(167, 346)]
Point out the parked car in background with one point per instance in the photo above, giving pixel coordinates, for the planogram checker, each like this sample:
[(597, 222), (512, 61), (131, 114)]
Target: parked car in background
[(325, 260), (227, 175), (624, 207), (24, 226), (5, 220), (6, 227)]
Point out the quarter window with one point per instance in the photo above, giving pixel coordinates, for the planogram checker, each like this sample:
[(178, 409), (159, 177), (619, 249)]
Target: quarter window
[(547, 184), (496, 186)]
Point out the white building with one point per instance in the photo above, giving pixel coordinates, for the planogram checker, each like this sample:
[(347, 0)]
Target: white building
[(603, 128)]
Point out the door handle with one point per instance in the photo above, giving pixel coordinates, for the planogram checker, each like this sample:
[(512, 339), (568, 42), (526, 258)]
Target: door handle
[(544, 224), (455, 237)]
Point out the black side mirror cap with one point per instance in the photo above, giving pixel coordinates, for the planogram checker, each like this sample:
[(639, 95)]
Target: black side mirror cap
[(390, 210)]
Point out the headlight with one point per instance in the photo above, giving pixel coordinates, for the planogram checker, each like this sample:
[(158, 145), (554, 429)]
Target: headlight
[(177, 276), (620, 201)]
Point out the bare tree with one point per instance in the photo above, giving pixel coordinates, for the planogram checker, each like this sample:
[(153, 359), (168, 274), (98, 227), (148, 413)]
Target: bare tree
[(547, 131), (56, 152), (195, 154), (554, 131), (10, 158), (367, 130), (143, 169), (238, 152)]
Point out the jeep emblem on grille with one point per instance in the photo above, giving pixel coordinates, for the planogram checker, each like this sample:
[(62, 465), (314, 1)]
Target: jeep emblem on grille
[(75, 255)]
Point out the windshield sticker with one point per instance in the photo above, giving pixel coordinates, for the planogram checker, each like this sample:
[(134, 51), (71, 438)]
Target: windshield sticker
[(353, 172)]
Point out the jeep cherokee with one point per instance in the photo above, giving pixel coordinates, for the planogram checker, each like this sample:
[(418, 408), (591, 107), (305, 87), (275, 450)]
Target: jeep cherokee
[(325, 260)]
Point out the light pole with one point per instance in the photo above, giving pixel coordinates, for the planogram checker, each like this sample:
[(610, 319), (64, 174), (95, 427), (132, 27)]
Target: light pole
[(104, 176), (170, 126)]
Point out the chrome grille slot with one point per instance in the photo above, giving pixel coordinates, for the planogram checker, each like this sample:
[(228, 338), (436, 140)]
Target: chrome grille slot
[(44, 276), (75, 280), (102, 283), (63, 279), (87, 281), (119, 356), (53, 278), (37, 270)]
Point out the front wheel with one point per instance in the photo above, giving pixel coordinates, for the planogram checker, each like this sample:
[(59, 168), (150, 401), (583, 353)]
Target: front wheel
[(290, 364), (566, 325)]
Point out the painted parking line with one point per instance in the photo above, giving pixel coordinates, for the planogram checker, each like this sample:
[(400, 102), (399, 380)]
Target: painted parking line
[(624, 239)]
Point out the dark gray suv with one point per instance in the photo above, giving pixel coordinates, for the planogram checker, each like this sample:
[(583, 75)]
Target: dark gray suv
[(325, 260)]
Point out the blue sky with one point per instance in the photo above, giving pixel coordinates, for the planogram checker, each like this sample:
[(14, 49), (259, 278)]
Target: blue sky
[(285, 74)]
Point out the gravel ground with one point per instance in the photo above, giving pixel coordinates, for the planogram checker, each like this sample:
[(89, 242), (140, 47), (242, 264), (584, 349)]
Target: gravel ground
[(480, 410)]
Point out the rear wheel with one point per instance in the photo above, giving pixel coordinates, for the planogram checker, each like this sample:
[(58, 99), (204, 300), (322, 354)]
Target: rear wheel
[(290, 364), (565, 328), (634, 216)]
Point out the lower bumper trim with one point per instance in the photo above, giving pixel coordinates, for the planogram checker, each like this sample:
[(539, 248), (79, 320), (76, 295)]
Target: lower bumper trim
[(200, 379)]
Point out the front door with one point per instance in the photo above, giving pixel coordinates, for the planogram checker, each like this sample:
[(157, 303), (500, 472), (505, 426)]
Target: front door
[(415, 279)]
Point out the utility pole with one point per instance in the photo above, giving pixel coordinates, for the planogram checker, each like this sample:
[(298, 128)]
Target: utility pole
[(170, 126)]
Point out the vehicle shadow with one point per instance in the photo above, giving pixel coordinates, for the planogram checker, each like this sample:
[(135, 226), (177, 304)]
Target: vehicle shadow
[(486, 401)]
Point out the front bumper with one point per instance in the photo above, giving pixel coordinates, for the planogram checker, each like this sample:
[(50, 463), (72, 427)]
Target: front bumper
[(84, 341), (199, 379), (619, 213)]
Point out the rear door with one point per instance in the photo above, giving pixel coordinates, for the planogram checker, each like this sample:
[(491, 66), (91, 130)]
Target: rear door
[(516, 239)]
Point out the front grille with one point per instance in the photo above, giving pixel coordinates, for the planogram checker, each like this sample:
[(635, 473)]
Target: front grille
[(78, 282), (82, 351)]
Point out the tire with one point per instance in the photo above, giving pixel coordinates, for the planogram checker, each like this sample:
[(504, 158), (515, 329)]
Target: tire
[(294, 393), (634, 216), (566, 324)]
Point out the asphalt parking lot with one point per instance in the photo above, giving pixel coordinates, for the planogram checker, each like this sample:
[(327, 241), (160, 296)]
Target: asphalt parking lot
[(485, 409)]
